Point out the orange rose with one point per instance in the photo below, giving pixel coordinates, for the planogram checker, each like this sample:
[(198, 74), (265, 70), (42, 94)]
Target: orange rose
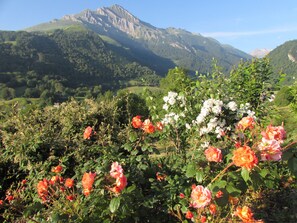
[(233, 200), (69, 182), (121, 183), (203, 219), (54, 179), (245, 157), (57, 169), (148, 126), (213, 209), (70, 197), (213, 154), (87, 182), (245, 214), (189, 215), (136, 122), (246, 122), (160, 176), (200, 196), (42, 189), (88, 132), (219, 194)]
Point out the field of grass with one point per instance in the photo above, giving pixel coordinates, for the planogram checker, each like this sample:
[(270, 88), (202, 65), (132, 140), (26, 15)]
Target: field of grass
[(139, 89)]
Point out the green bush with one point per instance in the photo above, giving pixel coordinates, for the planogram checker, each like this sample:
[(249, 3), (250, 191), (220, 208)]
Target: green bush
[(283, 97)]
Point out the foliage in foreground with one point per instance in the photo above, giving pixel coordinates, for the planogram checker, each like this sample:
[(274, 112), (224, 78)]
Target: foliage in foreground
[(202, 154)]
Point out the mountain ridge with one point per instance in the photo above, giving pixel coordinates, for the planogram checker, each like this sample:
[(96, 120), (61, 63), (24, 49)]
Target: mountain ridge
[(174, 44)]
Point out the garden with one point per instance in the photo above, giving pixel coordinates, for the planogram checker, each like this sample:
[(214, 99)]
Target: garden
[(213, 148)]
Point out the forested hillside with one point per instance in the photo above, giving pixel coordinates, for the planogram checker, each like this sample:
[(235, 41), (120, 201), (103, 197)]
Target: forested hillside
[(63, 63), (284, 61)]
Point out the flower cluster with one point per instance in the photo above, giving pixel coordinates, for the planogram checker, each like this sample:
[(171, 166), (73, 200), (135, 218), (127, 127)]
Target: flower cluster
[(172, 118), (117, 172), (211, 108), (53, 188), (175, 105), (269, 147), (147, 126), (213, 116), (173, 98)]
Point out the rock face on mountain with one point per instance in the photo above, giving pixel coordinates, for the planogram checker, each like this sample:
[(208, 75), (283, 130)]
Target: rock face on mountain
[(284, 60), (143, 41), (259, 53)]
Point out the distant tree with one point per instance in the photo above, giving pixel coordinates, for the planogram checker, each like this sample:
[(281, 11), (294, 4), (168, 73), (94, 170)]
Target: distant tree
[(7, 93), (32, 93), (176, 80), (250, 81)]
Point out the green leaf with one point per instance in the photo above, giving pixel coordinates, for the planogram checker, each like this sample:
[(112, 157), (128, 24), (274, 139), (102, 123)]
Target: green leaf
[(127, 147), (133, 136), (264, 172), (56, 217), (134, 152), (287, 155), (184, 209), (33, 209), (114, 204), (131, 188), (139, 158), (199, 176), (233, 190), (245, 175), (191, 170), (292, 164)]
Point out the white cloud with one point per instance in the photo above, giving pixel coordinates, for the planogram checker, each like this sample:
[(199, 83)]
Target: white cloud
[(249, 33)]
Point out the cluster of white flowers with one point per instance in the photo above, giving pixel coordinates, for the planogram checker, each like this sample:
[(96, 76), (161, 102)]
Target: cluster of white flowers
[(172, 98), (172, 118), (232, 106), (212, 109), (244, 109), (209, 106), (210, 119)]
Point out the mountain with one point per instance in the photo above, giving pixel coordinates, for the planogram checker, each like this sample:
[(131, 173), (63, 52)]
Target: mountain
[(109, 48), (284, 60), (259, 53), (177, 47)]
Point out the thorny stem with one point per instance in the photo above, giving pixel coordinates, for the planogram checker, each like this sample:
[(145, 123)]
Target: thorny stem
[(177, 143), (221, 173), (178, 215), (288, 146)]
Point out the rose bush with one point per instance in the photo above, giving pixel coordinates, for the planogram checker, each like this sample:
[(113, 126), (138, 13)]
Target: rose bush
[(202, 155)]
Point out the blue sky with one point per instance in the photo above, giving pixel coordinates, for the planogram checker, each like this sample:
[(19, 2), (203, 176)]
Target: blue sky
[(246, 25)]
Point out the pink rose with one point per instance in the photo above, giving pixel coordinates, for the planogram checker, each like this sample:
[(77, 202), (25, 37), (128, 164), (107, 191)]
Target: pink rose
[(213, 154), (200, 197)]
